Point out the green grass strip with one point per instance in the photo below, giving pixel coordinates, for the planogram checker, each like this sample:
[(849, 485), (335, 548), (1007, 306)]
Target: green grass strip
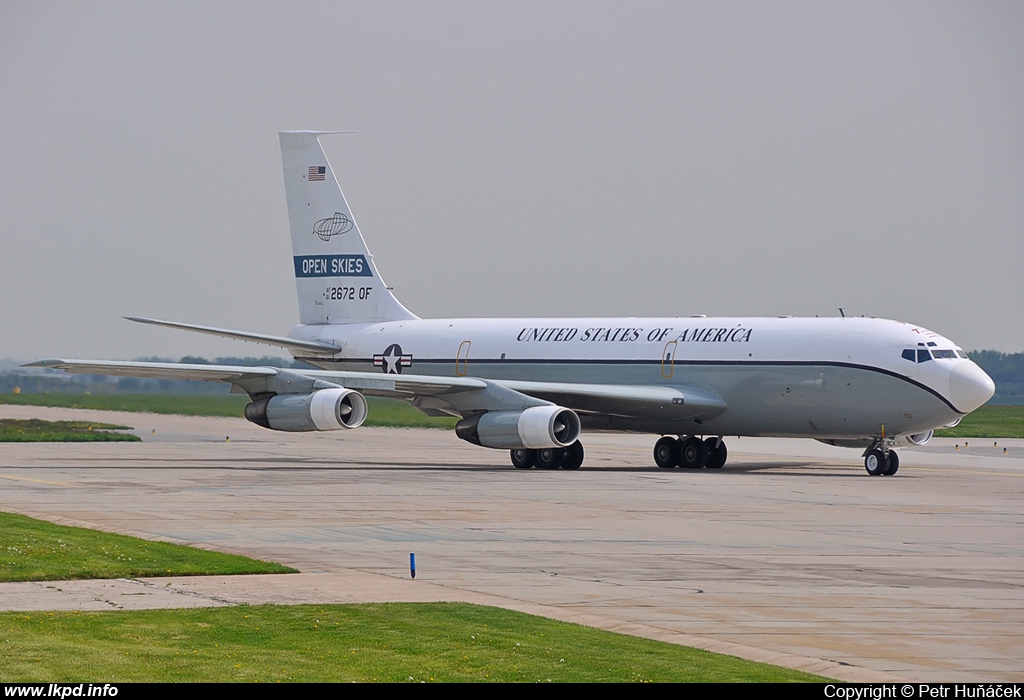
[(217, 405), (35, 550), (989, 422), (35, 430), (383, 412), (397, 642)]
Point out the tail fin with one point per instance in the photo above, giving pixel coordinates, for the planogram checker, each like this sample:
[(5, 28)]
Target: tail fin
[(336, 277)]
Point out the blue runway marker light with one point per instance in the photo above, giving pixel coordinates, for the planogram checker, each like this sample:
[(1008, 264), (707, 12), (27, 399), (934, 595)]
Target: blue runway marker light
[(412, 564)]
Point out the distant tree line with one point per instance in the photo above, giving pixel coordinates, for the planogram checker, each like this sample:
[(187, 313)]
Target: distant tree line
[(1006, 370)]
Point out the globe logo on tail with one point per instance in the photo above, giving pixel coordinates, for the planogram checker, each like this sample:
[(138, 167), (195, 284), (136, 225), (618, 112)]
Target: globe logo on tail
[(332, 226)]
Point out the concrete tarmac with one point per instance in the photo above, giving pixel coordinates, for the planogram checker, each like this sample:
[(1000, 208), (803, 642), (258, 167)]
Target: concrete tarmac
[(791, 554)]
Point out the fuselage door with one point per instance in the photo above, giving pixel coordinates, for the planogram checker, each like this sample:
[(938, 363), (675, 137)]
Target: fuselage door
[(462, 359), (668, 359)]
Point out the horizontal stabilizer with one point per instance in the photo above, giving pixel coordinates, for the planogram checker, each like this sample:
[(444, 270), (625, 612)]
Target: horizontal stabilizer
[(313, 346)]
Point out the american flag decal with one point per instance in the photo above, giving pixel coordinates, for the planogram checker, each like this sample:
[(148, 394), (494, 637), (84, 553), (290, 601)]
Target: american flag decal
[(317, 173)]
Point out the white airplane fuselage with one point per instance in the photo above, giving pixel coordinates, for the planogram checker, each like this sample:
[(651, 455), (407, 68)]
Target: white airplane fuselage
[(827, 378)]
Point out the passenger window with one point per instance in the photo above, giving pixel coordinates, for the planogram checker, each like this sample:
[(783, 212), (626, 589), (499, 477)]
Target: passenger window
[(910, 355), (923, 356)]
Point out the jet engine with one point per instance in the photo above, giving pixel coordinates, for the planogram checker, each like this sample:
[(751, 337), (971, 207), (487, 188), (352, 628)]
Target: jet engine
[(327, 409), (537, 427)]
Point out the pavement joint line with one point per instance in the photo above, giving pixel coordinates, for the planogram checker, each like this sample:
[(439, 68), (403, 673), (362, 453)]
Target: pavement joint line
[(38, 481)]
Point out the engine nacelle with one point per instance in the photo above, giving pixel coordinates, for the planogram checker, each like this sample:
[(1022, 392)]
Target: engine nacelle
[(537, 427), (904, 441), (916, 439), (327, 409)]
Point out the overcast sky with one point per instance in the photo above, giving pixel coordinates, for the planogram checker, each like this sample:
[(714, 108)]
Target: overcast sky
[(513, 159)]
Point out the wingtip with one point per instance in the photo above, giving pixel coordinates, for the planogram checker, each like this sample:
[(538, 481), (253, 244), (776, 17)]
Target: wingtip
[(48, 362)]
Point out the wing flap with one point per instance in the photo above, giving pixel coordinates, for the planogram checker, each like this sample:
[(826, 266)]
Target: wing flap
[(670, 403)]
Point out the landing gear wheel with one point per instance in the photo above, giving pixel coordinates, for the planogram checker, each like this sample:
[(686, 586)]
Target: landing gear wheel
[(875, 463), (572, 456), (716, 455), (693, 453), (894, 464), (549, 458), (666, 452), (523, 458)]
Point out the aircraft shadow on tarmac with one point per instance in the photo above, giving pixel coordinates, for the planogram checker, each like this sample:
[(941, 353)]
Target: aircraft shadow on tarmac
[(816, 468)]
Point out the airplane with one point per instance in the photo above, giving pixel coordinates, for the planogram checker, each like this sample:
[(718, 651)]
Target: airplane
[(531, 386)]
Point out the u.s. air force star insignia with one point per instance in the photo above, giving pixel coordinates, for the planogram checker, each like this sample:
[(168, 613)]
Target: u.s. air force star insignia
[(392, 360)]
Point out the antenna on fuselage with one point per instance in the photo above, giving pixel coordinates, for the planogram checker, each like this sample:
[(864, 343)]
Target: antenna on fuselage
[(841, 312)]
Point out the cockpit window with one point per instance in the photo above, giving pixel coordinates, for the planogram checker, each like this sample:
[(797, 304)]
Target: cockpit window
[(922, 354)]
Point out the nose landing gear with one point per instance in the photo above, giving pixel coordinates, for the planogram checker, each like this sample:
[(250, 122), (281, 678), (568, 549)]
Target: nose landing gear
[(881, 460)]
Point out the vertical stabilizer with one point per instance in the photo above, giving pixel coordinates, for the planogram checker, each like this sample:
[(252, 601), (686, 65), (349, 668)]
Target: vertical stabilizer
[(335, 275)]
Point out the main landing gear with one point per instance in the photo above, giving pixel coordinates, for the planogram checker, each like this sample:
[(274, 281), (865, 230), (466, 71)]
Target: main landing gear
[(881, 460), (690, 453), (570, 457)]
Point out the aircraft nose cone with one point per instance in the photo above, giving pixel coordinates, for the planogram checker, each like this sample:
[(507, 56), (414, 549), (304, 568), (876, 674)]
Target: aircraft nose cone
[(970, 387)]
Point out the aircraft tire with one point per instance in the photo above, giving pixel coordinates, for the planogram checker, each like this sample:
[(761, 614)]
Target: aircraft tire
[(572, 456), (548, 458), (523, 458), (693, 453), (716, 455), (894, 464), (875, 463), (666, 453)]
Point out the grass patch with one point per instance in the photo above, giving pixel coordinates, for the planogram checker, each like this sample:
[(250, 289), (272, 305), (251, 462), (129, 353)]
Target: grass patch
[(989, 422), (35, 550), (35, 430), (224, 405), (383, 412), (397, 642), (395, 414)]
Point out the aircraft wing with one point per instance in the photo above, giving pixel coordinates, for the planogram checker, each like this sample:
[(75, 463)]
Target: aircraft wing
[(624, 400), (156, 370), (456, 396)]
